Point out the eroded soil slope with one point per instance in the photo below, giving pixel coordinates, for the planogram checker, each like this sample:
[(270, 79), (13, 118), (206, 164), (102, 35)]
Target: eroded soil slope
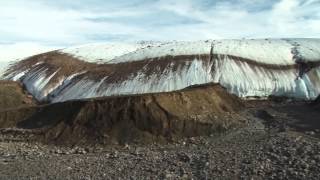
[(12, 95), (194, 111), (317, 103)]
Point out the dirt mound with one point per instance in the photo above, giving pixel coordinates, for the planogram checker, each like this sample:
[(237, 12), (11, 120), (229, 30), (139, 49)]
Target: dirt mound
[(12, 95), (125, 119)]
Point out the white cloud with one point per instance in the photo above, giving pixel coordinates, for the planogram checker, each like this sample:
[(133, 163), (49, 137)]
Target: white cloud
[(226, 19), (295, 18)]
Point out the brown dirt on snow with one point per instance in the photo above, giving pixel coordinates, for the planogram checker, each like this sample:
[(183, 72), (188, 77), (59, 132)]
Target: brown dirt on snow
[(194, 111), (52, 61)]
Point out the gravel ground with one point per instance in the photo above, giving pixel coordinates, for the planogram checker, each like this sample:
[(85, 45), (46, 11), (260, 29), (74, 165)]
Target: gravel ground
[(281, 141)]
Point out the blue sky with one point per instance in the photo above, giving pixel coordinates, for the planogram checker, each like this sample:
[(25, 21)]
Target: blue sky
[(60, 23)]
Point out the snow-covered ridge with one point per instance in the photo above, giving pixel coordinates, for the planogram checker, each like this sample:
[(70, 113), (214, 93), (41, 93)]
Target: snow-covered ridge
[(260, 68), (104, 52), (268, 51), (174, 48)]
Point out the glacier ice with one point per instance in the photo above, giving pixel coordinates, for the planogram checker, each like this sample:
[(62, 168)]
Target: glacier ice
[(247, 68)]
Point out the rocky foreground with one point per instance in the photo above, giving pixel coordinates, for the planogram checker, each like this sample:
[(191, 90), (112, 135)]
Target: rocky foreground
[(280, 141)]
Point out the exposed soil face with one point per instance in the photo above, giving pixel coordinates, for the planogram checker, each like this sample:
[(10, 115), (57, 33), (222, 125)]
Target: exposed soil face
[(162, 117), (273, 145), (12, 95), (317, 102)]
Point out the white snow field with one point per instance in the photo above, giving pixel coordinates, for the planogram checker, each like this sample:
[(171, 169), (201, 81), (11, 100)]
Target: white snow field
[(104, 52), (268, 51), (247, 68)]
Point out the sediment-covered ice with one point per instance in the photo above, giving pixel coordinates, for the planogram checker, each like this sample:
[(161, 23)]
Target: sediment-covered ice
[(247, 68), (36, 81), (247, 80), (195, 72)]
